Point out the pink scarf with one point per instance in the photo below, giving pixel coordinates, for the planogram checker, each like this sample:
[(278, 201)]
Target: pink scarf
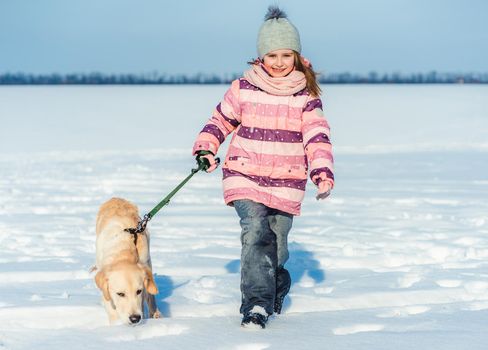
[(285, 86)]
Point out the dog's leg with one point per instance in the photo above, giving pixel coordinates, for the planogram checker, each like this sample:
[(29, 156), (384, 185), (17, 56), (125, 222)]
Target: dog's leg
[(151, 305), (149, 298)]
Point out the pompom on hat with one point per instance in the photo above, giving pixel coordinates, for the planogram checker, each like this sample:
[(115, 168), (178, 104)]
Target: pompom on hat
[(277, 32)]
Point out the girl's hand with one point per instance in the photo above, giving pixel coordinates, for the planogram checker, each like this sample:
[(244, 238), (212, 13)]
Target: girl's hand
[(324, 190), (210, 162)]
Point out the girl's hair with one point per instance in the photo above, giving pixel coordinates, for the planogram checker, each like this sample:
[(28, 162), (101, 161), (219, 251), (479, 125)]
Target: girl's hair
[(310, 75)]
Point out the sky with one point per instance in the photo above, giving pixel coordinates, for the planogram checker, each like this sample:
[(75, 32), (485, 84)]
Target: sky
[(219, 36)]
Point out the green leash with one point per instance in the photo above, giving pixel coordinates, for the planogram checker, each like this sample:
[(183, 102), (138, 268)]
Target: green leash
[(141, 226)]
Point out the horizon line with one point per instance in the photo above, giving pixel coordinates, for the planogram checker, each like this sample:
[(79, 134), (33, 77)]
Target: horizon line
[(154, 78)]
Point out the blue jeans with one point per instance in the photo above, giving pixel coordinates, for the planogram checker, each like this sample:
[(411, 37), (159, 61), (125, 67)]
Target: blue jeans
[(264, 240)]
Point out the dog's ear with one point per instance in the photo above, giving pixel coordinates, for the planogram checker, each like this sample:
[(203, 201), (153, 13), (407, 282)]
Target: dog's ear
[(149, 283), (102, 282)]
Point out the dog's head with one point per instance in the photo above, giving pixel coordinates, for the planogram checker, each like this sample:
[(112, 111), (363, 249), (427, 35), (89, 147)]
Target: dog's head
[(123, 285)]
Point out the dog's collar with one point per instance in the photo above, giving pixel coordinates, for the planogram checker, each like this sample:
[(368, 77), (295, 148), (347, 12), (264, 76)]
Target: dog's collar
[(134, 236)]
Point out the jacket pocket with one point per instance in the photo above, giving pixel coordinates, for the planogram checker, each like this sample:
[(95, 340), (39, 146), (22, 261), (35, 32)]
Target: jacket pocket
[(293, 171)]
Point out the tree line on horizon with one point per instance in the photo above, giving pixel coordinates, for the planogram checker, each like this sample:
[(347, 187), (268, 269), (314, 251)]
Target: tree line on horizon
[(200, 78)]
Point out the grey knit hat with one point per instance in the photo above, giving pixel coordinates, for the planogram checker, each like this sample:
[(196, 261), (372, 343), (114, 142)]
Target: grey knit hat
[(277, 32)]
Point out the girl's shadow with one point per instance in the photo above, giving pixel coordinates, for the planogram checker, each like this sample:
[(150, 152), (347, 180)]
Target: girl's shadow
[(302, 262), (233, 266)]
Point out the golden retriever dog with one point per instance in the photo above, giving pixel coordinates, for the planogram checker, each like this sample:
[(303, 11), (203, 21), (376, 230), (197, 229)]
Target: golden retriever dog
[(124, 265)]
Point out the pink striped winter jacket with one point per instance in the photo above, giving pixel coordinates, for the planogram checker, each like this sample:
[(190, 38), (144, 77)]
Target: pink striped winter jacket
[(277, 139)]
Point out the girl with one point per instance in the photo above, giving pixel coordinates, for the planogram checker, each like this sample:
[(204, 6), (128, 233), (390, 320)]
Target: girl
[(280, 134)]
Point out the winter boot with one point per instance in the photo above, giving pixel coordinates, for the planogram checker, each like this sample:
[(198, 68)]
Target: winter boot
[(256, 317), (283, 283)]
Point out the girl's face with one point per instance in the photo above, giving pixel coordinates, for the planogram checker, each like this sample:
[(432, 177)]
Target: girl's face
[(279, 63)]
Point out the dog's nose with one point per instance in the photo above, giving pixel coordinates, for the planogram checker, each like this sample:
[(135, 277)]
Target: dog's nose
[(134, 318)]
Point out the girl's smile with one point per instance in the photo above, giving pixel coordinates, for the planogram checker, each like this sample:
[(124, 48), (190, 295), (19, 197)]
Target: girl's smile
[(279, 63)]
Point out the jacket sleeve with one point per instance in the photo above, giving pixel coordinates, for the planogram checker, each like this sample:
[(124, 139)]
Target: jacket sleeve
[(225, 118), (316, 140)]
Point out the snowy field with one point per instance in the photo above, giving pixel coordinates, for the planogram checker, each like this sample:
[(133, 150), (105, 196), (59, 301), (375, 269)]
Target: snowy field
[(397, 258)]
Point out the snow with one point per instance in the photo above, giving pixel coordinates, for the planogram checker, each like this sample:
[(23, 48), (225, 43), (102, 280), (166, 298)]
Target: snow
[(395, 258)]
